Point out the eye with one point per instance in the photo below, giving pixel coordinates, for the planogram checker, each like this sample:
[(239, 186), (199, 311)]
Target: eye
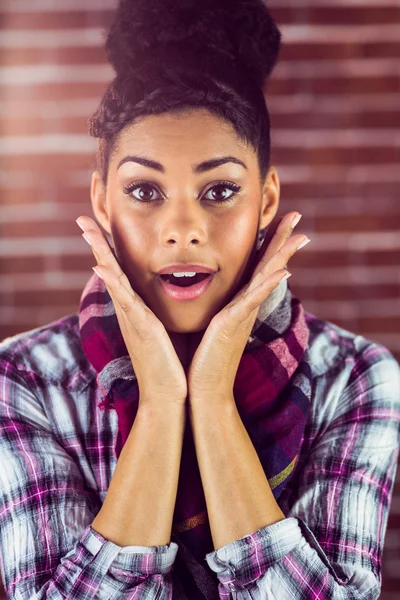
[(147, 189), (220, 187), (141, 185)]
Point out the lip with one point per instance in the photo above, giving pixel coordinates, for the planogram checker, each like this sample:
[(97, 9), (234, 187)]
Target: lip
[(186, 293), (180, 268)]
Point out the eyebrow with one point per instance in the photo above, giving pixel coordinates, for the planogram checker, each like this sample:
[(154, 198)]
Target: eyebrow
[(207, 165)]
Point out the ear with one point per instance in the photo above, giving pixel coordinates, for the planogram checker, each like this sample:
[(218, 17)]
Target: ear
[(98, 194), (270, 198)]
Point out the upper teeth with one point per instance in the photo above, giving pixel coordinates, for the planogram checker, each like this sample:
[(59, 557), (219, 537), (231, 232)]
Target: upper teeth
[(183, 274)]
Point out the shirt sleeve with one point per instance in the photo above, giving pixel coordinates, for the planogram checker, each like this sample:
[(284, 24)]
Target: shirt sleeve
[(330, 544), (47, 545)]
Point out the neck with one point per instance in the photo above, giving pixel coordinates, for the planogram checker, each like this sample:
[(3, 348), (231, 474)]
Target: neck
[(185, 345)]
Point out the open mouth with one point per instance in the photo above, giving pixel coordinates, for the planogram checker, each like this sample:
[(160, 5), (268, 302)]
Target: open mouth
[(185, 281), (185, 288)]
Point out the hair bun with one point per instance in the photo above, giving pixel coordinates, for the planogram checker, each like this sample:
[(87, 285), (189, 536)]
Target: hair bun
[(194, 33)]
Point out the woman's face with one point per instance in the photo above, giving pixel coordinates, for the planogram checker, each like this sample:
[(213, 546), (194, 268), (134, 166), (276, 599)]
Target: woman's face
[(179, 214)]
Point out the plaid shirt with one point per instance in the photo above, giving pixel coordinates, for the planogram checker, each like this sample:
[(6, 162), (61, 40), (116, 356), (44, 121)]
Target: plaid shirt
[(56, 457)]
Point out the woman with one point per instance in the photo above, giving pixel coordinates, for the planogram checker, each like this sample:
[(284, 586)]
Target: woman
[(191, 432)]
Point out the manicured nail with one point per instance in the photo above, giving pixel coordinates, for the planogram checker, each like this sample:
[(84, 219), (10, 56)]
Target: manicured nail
[(286, 276), (86, 238), (81, 226), (296, 220), (97, 272), (304, 243)]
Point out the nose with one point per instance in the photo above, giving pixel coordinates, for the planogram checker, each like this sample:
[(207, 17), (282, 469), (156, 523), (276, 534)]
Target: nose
[(183, 240), (184, 226)]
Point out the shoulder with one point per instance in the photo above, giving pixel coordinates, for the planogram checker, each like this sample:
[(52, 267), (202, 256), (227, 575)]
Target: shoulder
[(51, 353), (333, 348), (349, 372)]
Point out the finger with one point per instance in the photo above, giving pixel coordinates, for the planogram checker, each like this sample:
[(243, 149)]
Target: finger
[(282, 233), (116, 288), (108, 268), (280, 259), (254, 297), (101, 249), (125, 300), (251, 300)]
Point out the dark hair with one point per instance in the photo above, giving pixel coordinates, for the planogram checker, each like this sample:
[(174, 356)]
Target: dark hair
[(172, 56)]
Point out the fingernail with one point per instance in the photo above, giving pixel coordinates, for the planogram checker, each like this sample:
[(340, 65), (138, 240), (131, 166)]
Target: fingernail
[(97, 272), (296, 220), (286, 276), (86, 238), (81, 226), (303, 243)]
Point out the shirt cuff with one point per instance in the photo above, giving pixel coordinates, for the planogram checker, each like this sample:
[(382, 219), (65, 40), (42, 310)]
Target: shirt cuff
[(243, 561), (129, 561)]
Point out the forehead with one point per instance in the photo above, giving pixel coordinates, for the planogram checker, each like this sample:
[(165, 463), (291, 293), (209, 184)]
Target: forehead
[(190, 134)]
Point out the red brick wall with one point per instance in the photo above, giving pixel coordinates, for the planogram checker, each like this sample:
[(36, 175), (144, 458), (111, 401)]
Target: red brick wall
[(334, 100)]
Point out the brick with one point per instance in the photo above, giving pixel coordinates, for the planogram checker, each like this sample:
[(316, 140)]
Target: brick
[(79, 194), (341, 206), (312, 259), (50, 73), (45, 163), (77, 262), (41, 229), (360, 222), (21, 126), (62, 56), (388, 258), (354, 14), (380, 324), (387, 595), (54, 20), (351, 104), (343, 50), (50, 110), (350, 310), (36, 245), (335, 156), (39, 299), (345, 12), (357, 274), (335, 119), (56, 92), (46, 6), (14, 196), (346, 290), (344, 186), (10, 265), (334, 85), (54, 189)]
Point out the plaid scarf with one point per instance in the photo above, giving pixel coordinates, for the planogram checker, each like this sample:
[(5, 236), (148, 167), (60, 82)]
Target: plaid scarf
[(272, 392)]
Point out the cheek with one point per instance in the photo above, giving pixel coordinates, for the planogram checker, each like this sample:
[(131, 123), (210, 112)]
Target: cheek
[(131, 244), (239, 234), (235, 245)]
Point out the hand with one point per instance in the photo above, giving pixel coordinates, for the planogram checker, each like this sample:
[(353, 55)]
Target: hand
[(160, 374), (215, 363)]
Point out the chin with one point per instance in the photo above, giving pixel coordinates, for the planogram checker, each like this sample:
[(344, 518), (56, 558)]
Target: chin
[(182, 329), (186, 325)]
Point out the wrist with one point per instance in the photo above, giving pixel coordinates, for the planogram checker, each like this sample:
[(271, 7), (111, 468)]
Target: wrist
[(152, 409), (206, 401)]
